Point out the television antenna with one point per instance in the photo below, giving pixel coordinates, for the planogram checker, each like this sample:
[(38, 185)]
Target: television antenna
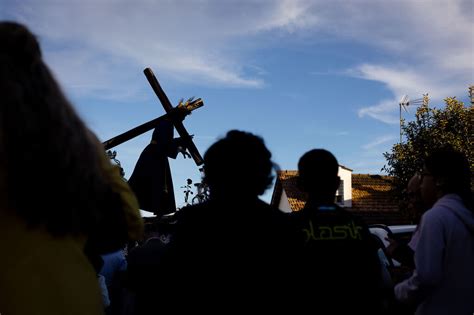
[(471, 94), (404, 102)]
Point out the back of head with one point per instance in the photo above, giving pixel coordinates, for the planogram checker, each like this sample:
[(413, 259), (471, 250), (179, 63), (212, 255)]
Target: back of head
[(414, 183), (318, 171), (42, 139), (451, 172), (413, 195), (19, 45), (238, 165)]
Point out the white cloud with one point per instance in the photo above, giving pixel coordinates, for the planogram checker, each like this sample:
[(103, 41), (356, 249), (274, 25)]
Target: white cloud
[(406, 81), (382, 111), (368, 166), (193, 41), (370, 159), (85, 73), (435, 40), (290, 15), (429, 44), (379, 141)]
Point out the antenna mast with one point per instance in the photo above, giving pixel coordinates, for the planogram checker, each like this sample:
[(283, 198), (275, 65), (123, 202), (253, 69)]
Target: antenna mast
[(404, 102), (471, 94)]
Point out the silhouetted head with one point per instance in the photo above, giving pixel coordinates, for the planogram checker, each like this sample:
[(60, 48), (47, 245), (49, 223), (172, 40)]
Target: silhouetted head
[(158, 230), (50, 163), (413, 194), (19, 46), (317, 174), (446, 171), (238, 166)]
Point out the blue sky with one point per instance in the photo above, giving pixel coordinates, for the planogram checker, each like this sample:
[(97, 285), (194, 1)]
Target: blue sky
[(301, 74)]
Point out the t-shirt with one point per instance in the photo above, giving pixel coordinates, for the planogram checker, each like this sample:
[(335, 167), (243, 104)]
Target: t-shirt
[(336, 260), (40, 274)]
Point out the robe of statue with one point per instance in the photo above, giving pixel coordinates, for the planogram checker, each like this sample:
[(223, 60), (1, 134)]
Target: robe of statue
[(151, 179)]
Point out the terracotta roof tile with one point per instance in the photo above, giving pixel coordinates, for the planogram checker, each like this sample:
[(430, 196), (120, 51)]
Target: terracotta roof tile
[(287, 181), (372, 193), (369, 192)]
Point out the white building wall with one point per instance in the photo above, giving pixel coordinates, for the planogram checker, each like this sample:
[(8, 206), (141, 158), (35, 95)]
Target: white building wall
[(284, 204), (346, 177)]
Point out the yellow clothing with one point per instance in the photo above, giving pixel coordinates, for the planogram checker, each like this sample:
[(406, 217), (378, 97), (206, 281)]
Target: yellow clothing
[(40, 274), (44, 275)]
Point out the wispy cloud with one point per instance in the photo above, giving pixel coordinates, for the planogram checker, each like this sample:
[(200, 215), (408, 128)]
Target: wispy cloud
[(379, 141), (437, 53), (368, 166), (370, 159), (212, 41), (290, 15), (194, 48), (383, 111), (406, 80)]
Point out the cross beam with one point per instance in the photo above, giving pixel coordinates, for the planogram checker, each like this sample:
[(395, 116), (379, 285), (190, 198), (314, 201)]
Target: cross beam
[(178, 124), (175, 114)]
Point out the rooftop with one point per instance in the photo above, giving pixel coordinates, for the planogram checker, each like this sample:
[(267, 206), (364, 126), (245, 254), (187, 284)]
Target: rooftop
[(371, 196)]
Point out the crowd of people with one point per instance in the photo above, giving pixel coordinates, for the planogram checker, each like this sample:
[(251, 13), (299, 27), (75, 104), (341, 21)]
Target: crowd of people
[(65, 243)]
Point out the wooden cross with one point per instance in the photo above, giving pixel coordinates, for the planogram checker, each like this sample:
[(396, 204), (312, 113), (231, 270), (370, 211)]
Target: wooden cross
[(175, 114)]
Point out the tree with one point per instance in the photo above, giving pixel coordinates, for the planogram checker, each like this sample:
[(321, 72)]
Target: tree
[(433, 128)]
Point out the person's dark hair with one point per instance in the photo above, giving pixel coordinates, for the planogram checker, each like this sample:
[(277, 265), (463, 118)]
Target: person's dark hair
[(452, 172), (316, 168), (50, 161), (240, 163)]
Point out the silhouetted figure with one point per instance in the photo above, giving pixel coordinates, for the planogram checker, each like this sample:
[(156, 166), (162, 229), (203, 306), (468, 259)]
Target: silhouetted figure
[(97, 263), (404, 252), (443, 280), (113, 271), (59, 193), (145, 271), (336, 266), (151, 179), (227, 254)]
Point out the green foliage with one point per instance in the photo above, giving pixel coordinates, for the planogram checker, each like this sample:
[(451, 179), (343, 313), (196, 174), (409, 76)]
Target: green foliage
[(433, 128)]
